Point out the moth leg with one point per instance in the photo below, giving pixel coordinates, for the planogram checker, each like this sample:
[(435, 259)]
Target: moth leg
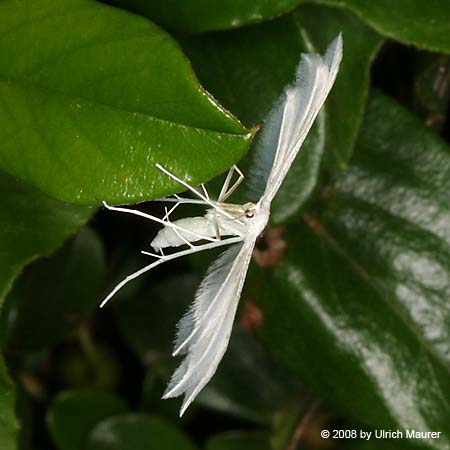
[(195, 191), (226, 183), (225, 193), (163, 259), (216, 227), (176, 231), (166, 223), (205, 192), (168, 213), (182, 200)]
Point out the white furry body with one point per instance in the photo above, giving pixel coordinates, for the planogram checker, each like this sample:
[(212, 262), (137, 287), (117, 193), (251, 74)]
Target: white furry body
[(204, 331)]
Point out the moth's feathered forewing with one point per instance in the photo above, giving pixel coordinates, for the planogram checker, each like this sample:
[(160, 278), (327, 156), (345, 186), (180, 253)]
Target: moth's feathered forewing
[(290, 120), (204, 332)]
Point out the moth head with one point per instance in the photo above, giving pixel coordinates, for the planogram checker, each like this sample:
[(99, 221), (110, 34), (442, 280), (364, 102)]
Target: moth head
[(249, 210)]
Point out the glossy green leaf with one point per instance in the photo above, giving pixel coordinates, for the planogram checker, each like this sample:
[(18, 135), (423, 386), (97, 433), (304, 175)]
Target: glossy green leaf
[(86, 117), (55, 294), (205, 15), (359, 305), (8, 422), (137, 432), (73, 414), (424, 24), (239, 440), (265, 58)]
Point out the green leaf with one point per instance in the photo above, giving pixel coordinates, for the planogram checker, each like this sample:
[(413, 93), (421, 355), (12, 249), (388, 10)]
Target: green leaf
[(92, 97), (359, 305), (264, 62), (205, 15), (137, 432), (8, 422), (34, 226), (54, 295), (73, 414), (424, 24), (239, 440)]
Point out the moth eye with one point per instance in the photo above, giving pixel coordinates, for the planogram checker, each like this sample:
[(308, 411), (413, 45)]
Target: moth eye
[(249, 214)]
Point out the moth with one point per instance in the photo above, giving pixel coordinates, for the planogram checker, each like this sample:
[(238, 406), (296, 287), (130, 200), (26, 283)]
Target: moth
[(204, 331)]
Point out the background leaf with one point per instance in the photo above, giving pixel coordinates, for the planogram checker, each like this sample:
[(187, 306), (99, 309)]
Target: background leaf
[(74, 414), (34, 226), (137, 432), (204, 15), (54, 295), (426, 25), (365, 283), (8, 422), (239, 441), (93, 112)]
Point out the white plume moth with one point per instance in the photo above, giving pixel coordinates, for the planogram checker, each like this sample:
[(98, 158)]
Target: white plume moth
[(204, 331)]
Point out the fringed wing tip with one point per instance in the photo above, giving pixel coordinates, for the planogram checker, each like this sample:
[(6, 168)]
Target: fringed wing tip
[(333, 55)]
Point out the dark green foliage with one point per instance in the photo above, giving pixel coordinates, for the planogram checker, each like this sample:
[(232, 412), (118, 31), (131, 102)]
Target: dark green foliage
[(348, 327)]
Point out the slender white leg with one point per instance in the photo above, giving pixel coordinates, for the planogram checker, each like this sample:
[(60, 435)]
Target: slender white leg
[(181, 200), (166, 258), (157, 219), (168, 213), (233, 188), (216, 226), (205, 192), (197, 193), (177, 232), (226, 183)]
